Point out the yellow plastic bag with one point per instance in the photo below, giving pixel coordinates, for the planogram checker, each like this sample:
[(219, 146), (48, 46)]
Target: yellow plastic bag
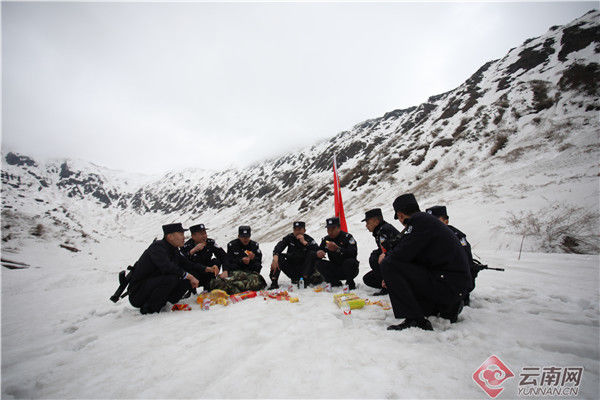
[(351, 299)]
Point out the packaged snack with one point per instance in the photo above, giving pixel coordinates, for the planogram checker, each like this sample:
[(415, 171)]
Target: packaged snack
[(181, 307), (353, 301)]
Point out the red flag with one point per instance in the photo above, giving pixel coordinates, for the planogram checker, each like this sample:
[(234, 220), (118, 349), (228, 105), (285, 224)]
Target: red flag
[(337, 195)]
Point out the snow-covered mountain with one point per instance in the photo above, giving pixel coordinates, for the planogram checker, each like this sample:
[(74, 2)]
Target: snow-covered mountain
[(512, 152)]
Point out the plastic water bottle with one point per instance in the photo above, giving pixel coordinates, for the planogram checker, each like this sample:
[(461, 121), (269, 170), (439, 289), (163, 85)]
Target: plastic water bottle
[(301, 283), (346, 314), (346, 289)]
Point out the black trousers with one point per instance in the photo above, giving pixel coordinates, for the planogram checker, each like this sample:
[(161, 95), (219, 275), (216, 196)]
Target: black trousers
[(373, 278), (416, 292), (152, 294), (295, 267), (332, 271), (199, 272)]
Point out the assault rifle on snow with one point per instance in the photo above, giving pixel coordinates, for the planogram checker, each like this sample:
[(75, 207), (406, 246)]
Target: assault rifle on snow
[(124, 278), (480, 267)]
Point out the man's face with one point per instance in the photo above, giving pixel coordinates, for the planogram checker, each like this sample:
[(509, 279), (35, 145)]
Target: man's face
[(333, 231), (372, 223), (176, 239), (199, 237), (444, 220), (299, 231), (245, 240), (401, 217)]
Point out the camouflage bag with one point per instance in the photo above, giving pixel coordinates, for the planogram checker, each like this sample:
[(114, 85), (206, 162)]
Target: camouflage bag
[(239, 281), (316, 278)]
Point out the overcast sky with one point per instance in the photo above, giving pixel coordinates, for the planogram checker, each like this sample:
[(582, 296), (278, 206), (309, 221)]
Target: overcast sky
[(156, 86)]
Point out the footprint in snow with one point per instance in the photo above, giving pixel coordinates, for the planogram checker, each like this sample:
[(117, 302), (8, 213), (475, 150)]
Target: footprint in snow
[(71, 329), (83, 343)]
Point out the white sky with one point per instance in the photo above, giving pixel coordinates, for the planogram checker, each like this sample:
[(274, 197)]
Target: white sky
[(150, 87)]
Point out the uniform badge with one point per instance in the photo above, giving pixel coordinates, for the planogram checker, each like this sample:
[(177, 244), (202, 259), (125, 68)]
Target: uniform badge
[(463, 241), (408, 230), (352, 241)]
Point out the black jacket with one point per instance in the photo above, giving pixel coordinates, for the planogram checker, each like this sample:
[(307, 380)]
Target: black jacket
[(427, 242), (236, 251), (386, 236), (295, 249), (462, 238), (347, 244), (159, 259), (210, 255)]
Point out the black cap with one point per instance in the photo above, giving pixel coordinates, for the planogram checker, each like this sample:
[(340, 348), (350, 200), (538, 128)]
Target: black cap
[(335, 221), (197, 228), (244, 231), (406, 204), (437, 211), (299, 224), (376, 212), (170, 228)]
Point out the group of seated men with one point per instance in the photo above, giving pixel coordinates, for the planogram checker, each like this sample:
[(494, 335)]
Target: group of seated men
[(426, 269)]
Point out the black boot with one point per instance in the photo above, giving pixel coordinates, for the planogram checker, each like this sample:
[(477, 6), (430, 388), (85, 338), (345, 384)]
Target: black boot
[(452, 312), (412, 323), (336, 283), (382, 292), (274, 285), (351, 284), (467, 300)]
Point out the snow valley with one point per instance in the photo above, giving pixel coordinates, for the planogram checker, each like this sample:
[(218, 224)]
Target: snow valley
[(513, 152)]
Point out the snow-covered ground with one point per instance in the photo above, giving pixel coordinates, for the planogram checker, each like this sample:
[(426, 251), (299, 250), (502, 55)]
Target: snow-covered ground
[(63, 338)]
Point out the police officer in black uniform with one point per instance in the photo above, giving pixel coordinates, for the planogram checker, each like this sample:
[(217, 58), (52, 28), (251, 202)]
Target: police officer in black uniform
[(299, 261), (243, 254), (207, 257), (386, 236), (441, 213), (341, 249), (159, 275), (427, 272)]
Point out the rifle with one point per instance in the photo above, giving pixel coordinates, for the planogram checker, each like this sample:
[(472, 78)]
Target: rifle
[(124, 279), (480, 267)]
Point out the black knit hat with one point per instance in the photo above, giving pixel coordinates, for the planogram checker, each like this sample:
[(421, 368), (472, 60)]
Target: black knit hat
[(170, 228), (376, 212), (438, 211), (406, 204), (197, 228), (244, 231), (335, 221), (299, 224)]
